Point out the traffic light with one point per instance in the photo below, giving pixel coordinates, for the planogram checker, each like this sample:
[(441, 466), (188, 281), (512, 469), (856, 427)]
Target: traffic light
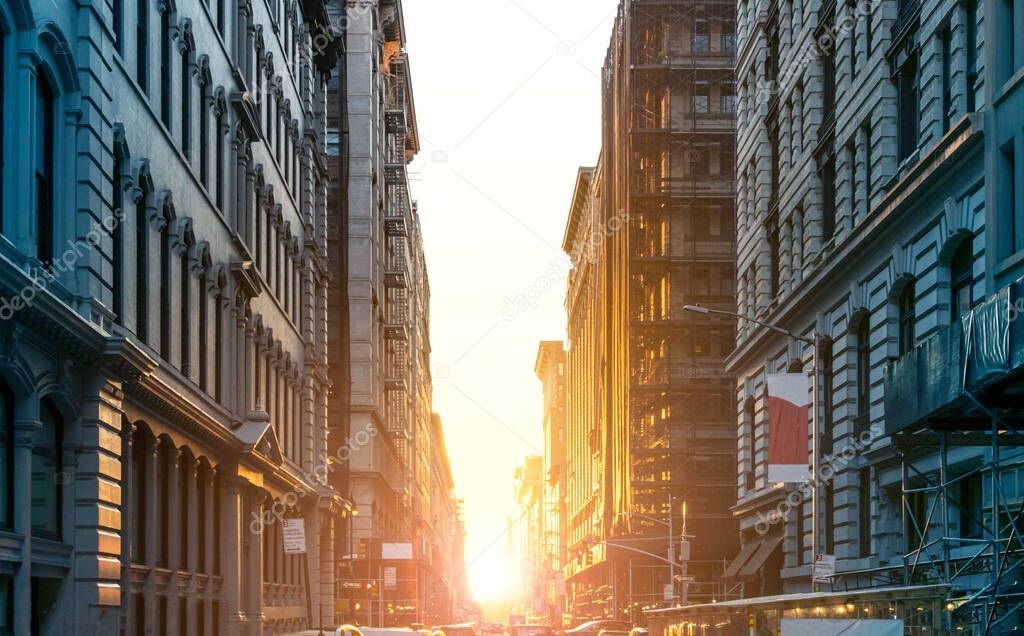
[(361, 550)]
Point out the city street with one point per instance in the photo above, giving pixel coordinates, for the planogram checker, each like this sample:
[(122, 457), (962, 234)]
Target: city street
[(511, 317)]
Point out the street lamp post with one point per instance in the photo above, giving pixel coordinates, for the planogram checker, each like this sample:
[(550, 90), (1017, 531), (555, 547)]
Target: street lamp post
[(815, 342)]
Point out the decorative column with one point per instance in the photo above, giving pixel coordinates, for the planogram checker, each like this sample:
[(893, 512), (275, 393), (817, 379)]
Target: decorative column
[(254, 564), (129, 517), (232, 620), (191, 530), (174, 529), (210, 485), (152, 538), (22, 474)]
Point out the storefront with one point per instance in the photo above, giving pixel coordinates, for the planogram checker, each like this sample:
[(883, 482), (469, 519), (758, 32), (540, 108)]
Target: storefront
[(894, 611)]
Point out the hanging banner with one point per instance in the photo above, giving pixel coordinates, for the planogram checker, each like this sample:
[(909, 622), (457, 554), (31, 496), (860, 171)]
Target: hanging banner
[(789, 404)]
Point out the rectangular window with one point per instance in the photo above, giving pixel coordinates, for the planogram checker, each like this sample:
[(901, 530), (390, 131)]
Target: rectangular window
[(828, 198), (851, 175), (1010, 199), (186, 107), (729, 36), (165, 68), (165, 294), (701, 96), (826, 446), (44, 137), (868, 168), (118, 18), (773, 255), (701, 36), (971, 50), (141, 269), (864, 513), (829, 514), (142, 45), (728, 95), (908, 120), (801, 534), (946, 41)]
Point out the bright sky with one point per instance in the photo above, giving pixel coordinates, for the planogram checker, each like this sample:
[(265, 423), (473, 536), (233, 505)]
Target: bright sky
[(508, 103)]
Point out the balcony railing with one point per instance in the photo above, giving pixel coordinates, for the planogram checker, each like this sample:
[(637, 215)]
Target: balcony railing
[(984, 349)]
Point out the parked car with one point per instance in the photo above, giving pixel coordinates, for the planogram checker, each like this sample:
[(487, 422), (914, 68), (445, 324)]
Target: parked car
[(593, 628), (464, 629), (344, 630), (530, 630)]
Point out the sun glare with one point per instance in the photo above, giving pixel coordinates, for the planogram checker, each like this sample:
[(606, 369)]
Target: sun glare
[(491, 578)]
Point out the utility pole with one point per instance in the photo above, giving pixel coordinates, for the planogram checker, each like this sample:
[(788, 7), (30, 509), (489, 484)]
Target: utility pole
[(671, 550)]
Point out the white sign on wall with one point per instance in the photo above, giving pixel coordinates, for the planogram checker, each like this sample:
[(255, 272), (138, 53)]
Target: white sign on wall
[(294, 533), (396, 551), (824, 568), (390, 578)]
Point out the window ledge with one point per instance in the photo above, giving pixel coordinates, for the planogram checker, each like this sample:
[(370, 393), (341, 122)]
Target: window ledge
[(1011, 84)]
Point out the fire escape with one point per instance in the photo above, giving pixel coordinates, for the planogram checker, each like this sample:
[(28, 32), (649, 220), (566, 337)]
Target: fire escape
[(397, 217), (682, 188)]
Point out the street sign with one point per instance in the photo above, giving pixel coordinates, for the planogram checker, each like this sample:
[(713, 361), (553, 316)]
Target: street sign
[(824, 568), (670, 592), (390, 578), (352, 585), (294, 532)]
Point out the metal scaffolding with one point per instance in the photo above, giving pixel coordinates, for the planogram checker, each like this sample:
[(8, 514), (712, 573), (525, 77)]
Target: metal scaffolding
[(961, 446)]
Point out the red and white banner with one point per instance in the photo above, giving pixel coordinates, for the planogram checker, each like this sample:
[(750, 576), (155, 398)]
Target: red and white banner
[(789, 403)]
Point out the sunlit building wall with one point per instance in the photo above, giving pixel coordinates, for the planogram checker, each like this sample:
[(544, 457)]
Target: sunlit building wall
[(652, 417), (550, 370)]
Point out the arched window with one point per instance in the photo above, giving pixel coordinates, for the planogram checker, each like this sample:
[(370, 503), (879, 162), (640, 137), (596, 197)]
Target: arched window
[(6, 457), (139, 488), (259, 229), (204, 329), (749, 416), (907, 319), (141, 269), (165, 66), (186, 103), (117, 249), (204, 135), (44, 168), (142, 44), (185, 313), (962, 281), (48, 476), (165, 288), (220, 158), (268, 258)]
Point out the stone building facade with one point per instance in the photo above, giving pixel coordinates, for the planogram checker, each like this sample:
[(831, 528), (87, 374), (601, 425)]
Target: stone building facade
[(550, 370), (164, 354), (879, 203), (375, 229)]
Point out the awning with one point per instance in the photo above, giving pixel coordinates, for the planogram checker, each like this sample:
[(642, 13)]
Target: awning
[(768, 545), (734, 567)]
